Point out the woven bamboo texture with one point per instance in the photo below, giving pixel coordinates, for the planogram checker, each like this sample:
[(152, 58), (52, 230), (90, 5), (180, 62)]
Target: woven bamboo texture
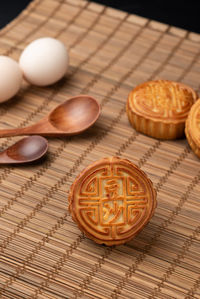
[(43, 253)]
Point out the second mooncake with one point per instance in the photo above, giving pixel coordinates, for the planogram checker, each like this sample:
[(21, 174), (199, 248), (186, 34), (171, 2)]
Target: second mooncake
[(192, 129), (159, 108), (112, 200)]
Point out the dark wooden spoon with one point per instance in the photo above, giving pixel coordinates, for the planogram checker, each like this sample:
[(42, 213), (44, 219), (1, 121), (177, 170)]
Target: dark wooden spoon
[(25, 150), (71, 117)]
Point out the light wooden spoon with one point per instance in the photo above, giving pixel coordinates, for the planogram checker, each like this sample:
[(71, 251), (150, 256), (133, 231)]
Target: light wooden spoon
[(69, 118)]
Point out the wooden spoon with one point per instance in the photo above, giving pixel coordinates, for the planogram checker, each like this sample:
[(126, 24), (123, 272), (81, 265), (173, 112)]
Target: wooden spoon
[(71, 117), (25, 150)]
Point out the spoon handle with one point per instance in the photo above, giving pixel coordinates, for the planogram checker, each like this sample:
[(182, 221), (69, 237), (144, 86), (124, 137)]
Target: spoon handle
[(17, 132), (36, 129), (14, 132)]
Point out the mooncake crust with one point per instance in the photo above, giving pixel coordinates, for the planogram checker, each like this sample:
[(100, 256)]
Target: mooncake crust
[(160, 108), (192, 128), (111, 200)]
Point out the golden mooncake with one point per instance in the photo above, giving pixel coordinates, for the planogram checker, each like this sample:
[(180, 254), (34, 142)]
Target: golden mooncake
[(112, 200), (160, 108), (192, 128)]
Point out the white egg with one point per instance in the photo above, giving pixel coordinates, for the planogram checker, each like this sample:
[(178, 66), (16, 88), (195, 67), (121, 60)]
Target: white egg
[(11, 78), (44, 61)]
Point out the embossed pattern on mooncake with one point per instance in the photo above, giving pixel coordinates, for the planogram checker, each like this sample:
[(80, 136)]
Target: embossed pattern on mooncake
[(159, 108), (192, 129), (112, 200)]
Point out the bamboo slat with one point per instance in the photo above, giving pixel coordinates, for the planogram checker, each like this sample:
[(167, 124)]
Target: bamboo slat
[(43, 253)]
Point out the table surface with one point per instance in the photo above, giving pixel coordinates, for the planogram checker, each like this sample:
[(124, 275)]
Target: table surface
[(43, 253), (184, 14)]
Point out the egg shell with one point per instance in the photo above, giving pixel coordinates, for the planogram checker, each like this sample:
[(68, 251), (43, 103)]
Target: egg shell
[(11, 78), (44, 61)]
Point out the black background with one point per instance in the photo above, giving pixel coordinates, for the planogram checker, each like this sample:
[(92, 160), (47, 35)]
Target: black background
[(183, 14)]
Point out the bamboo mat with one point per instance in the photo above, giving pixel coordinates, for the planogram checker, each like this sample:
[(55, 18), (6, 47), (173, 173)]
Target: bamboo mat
[(43, 253)]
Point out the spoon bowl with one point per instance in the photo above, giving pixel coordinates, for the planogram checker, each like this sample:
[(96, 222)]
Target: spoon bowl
[(75, 115), (25, 150), (69, 118)]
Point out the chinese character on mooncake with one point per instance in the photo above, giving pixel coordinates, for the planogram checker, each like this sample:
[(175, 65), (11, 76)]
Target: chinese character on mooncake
[(112, 200), (192, 129), (160, 108)]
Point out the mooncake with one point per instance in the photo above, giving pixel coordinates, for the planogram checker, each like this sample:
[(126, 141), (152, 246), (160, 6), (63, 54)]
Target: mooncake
[(192, 128), (112, 200), (160, 108)]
